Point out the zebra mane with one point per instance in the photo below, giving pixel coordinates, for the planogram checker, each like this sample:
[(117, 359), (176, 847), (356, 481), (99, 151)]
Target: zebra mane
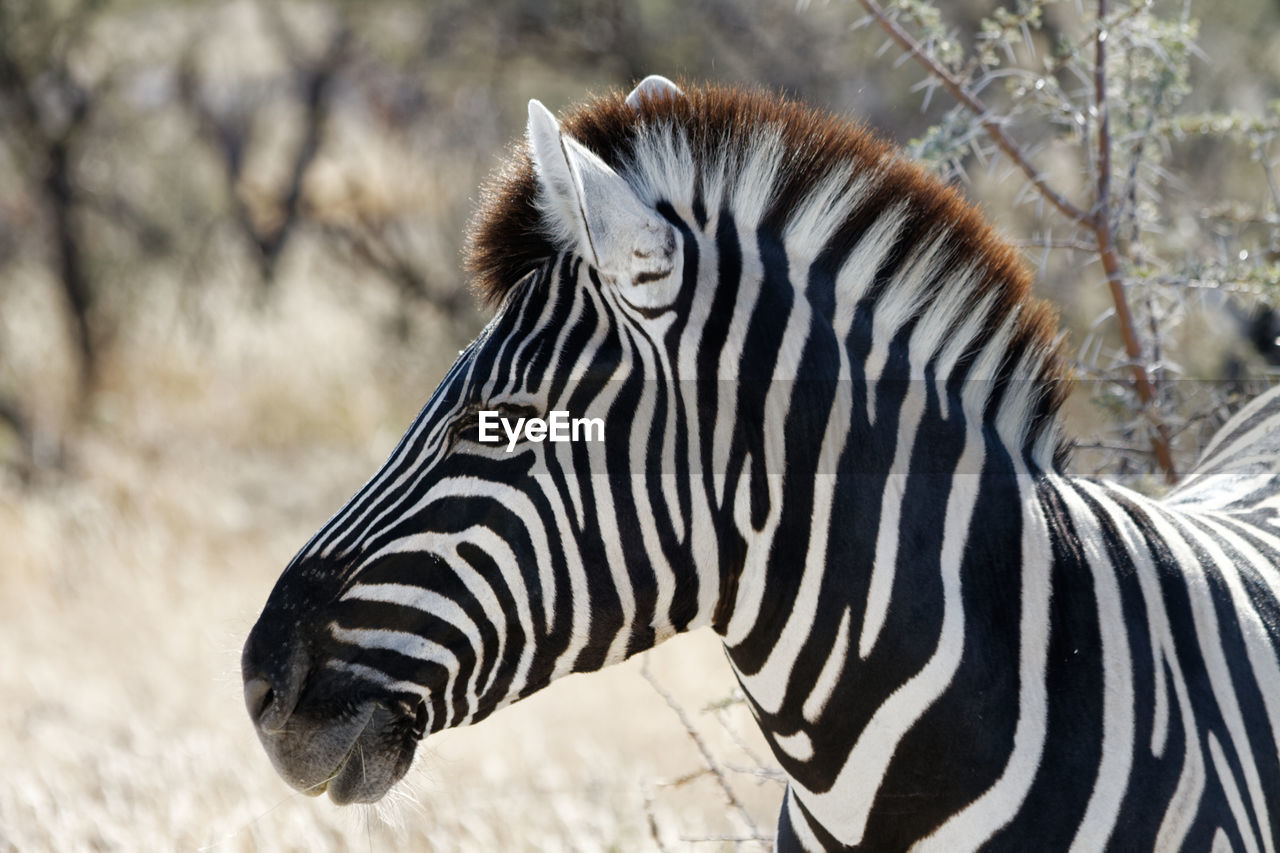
[(782, 166)]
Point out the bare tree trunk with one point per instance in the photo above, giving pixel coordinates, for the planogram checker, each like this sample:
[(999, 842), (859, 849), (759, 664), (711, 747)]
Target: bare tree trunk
[(52, 149)]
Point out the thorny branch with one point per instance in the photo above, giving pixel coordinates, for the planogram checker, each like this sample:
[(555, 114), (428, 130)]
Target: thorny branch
[(1111, 261), (974, 104), (1097, 220)]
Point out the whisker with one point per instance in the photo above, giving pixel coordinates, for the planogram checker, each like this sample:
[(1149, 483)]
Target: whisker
[(230, 836)]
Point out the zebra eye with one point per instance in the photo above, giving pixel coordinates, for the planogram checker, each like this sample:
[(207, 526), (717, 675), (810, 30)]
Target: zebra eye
[(467, 426), (516, 411), (468, 419)]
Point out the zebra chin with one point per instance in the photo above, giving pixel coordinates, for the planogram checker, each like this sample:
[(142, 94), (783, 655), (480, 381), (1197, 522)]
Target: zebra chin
[(354, 758)]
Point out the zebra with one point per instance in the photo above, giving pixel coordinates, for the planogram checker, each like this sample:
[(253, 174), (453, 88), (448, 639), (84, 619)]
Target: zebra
[(832, 435)]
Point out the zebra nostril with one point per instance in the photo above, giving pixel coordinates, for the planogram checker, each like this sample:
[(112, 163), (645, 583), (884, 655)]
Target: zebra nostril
[(258, 697), (420, 719)]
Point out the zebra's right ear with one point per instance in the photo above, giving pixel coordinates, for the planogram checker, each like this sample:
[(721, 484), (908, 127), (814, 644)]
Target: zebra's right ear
[(588, 205)]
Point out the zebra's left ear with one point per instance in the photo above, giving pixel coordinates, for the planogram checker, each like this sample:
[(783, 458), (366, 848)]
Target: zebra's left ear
[(655, 87), (589, 205)]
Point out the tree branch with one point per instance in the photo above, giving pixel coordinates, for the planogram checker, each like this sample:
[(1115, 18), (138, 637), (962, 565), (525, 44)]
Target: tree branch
[(1111, 261), (714, 766), (11, 413), (1097, 220), (57, 186), (317, 77), (975, 105)]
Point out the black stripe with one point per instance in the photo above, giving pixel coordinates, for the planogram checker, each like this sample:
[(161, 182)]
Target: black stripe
[(715, 333), (684, 601), (1058, 797), (1244, 686), (535, 366), (485, 566), (378, 615)]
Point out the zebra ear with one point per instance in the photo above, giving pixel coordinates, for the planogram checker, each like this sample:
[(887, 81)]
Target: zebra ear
[(654, 87), (590, 206)]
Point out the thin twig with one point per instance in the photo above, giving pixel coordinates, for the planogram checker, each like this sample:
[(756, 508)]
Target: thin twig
[(1115, 448), (681, 781), (653, 821), (714, 766), (1070, 245), (732, 839), (722, 717), (762, 773)]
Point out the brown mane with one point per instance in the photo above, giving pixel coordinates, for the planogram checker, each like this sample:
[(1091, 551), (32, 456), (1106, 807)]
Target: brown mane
[(507, 237)]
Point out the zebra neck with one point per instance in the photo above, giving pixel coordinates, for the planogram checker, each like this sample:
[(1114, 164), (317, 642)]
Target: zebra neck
[(869, 567), (866, 385)]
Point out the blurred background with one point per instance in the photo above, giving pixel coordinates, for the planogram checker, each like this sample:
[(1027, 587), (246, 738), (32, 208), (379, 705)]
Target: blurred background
[(230, 274)]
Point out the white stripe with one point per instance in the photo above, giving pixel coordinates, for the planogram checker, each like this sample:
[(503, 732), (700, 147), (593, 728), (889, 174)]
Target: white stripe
[(730, 364), (1262, 663), (768, 686), (1232, 793), (798, 745), (1116, 763), (443, 547), (885, 567), (799, 823), (1256, 405), (776, 405), (498, 550), (859, 269), (702, 532), (1158, 629), (753, 185), (409, 645), (830, 674)]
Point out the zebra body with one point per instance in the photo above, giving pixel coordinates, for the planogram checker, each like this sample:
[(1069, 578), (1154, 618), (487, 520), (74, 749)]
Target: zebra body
[(830, 435)]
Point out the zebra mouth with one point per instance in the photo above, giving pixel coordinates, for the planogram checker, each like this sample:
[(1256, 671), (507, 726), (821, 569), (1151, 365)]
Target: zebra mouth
[(353, 758), (378, 757)]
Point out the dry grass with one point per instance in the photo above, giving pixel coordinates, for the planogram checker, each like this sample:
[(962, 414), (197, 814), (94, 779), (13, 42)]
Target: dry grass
[(127, 587)]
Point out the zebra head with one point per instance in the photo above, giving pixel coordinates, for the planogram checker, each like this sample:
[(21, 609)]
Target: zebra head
[(484, 560)]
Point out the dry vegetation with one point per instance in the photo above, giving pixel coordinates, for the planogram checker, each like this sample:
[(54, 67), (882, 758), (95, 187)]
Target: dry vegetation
[(260, 342)]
